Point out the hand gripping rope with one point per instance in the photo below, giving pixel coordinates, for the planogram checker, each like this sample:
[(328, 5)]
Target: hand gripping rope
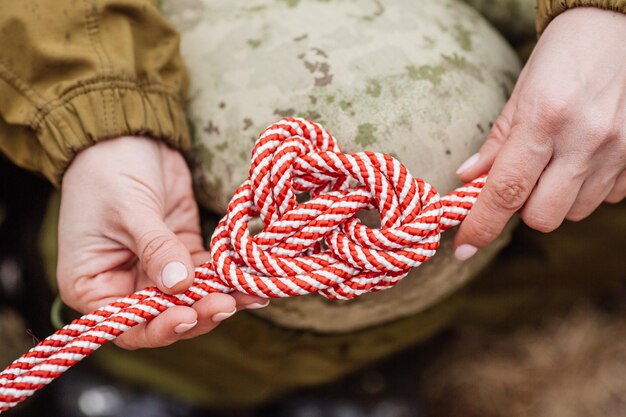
[(316, 246)]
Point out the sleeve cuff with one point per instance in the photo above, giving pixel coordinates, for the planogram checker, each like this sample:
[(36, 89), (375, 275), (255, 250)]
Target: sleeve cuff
[(549, 9), (106, 109)]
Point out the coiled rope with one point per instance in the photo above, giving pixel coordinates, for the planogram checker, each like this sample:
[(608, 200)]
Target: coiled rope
[(318, 246)]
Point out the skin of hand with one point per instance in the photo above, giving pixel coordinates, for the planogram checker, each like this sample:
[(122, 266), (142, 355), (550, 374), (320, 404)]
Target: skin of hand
[(129, 220), (558, 149)]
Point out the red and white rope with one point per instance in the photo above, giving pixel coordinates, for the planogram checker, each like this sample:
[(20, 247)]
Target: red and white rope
[(318, 246)]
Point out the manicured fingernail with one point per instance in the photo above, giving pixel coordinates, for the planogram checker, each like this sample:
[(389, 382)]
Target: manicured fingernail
[(173, 273), (222, 316), (183, 327), (465, 251), (256, 306), (468, 163)]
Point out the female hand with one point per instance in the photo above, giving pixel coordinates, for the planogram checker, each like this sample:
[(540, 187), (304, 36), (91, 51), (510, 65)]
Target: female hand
[(128, 221), (558, 150)]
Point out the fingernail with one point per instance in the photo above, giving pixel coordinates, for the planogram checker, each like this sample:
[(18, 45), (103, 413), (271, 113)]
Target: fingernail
[(222, 316), (465, 251), (468, 163), (183, 327), (256, 306), (173, 273)]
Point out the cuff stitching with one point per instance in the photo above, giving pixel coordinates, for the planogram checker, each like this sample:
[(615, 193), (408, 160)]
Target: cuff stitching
[(99, 84)]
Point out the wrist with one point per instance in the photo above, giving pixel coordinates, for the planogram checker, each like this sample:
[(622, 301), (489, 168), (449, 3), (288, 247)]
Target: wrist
[(106, 156)]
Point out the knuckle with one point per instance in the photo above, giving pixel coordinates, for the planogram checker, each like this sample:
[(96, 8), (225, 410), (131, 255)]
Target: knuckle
[(66, 296), (599, 126), (64, 287), (615, 198), (577, 215), (153, 245), (509, 193), (574, 217), (540, 223), (157, 340), (122, 343), (584, 206), (480, 231), (499, 131), (577, 172), (556, 110), (71, 295)]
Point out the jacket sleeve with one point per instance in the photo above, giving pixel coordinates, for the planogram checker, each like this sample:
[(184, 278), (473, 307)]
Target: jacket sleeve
[(549, 9), (74, 72)]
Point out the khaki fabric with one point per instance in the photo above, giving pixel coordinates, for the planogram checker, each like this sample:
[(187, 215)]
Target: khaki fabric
[(76, 72), (549, 9)]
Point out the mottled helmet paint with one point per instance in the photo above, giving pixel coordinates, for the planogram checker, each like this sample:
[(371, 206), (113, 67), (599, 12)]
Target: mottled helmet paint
[(420, 80)]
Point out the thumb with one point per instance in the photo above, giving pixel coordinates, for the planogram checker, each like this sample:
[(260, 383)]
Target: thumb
[(164, 258)]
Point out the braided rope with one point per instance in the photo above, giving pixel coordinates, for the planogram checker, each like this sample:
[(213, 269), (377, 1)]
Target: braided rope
[(318, 246)]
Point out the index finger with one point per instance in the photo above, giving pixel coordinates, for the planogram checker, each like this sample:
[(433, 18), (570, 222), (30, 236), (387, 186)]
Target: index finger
[(515, 172)]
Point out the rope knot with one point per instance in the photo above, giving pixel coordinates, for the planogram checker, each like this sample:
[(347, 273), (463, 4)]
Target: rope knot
[(320, 245)]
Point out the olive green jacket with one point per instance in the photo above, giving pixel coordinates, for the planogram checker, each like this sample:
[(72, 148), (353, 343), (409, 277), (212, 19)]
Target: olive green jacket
[(74, 72)]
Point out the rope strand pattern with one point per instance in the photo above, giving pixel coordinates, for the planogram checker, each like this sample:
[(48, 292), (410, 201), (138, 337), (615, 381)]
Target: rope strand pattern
[(317, 246)]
